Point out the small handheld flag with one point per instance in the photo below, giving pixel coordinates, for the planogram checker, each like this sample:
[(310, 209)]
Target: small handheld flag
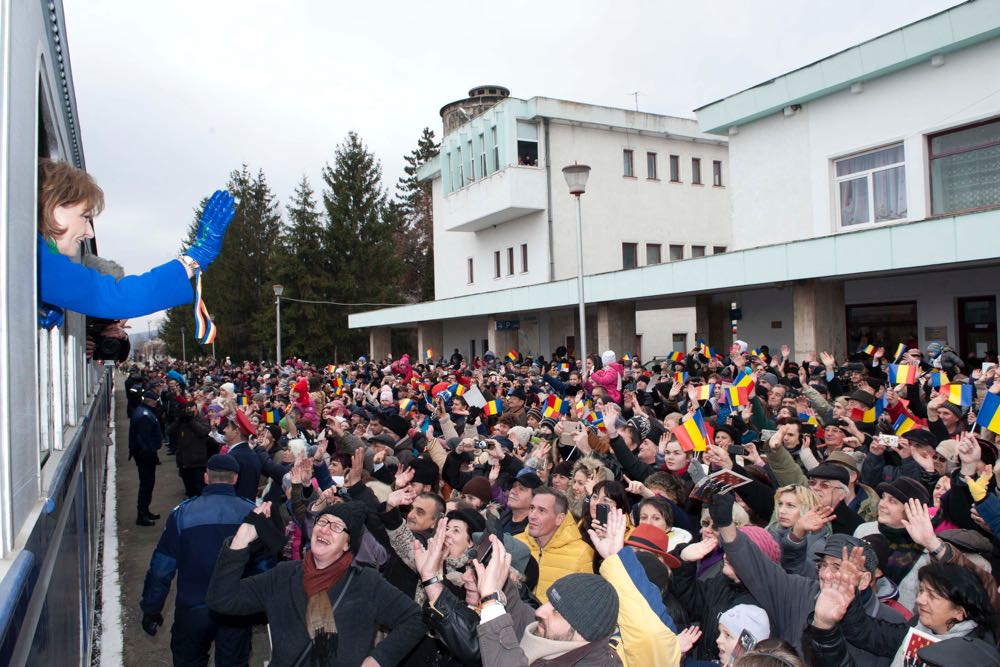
[(428, 354), (425, 426), (736, 396), (676, 356), (680, 378), (564, 367), (406, 405), (706, 391), (868, 349), (959, 394), (596, 419), (627, 358), (745, 379), (243, 399), (903, 424), (900, 351), (902, 374), (939, 379), (512, 355), (273, 416), (492, 408), (692, 434), (554, 406), (989, 413), (456, 389)]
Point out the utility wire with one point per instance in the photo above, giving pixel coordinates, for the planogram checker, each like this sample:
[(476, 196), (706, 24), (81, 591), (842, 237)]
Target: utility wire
[(338, 303)]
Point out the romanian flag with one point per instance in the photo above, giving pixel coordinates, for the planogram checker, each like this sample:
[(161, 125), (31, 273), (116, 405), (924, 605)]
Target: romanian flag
[(428, 354), (425, 426), (864, 416), (902, 374), (423, 386), (989, 413), (680, 378), (903, 424), (330, 368), (939, 379), (243, 399), (338, 381), (456, 389), (512, 355), (745, 379), (596, 419), (676, 356), (554, 406), (627, 358), (900, 351), (583, 407), (959, 394), (492, 408), (736, 396), (868, 349), (706, 351), (406, 405), (564, 367), (692, 434), (706, 391), (272, 416)]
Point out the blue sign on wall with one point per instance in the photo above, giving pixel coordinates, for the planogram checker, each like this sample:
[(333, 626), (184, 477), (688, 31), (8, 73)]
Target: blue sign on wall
[(508, 325)]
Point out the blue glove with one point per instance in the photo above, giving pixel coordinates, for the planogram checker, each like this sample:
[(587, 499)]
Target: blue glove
[(219, 212)]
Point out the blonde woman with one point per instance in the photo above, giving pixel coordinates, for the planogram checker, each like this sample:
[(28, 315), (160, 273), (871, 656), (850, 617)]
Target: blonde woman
[(800, 525)]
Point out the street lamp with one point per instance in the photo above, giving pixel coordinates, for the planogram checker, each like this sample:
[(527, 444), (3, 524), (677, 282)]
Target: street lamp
[(278, 289), (576, 178)]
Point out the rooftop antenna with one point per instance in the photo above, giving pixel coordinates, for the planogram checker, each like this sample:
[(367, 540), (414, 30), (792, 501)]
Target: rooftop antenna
[(635, 96)]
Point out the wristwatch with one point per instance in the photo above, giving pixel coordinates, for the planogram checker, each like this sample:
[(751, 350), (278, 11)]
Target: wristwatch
[(190, 264), (492, 597), (436, 579)]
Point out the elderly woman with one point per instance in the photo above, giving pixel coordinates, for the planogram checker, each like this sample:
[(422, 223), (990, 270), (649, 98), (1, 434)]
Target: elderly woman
[(307, 601), (68, 201)]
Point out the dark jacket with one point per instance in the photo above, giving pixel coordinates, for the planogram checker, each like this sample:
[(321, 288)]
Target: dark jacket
[(190, 433), (826, 647), (190, 544), (370, 601), (250, 468), (145, 436)]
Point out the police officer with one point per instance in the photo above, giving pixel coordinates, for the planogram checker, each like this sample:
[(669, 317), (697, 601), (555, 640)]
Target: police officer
[(189, 546), (236, 431), (145, 437)]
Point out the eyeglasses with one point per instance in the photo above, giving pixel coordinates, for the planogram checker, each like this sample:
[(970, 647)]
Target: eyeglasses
[(335, 526), (706, 523)]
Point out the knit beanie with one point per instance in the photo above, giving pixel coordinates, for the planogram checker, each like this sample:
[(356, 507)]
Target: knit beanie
[(479, 487), (609, 357), (353, 514), (588, 603), (747, 617), (385, 394), (536, 413), (763, 541)]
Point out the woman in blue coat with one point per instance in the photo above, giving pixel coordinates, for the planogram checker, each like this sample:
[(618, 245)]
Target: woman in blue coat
[(68, 201)]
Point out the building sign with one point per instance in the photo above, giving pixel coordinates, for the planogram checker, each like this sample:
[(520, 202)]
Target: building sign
[(936, 333), (508, 325)]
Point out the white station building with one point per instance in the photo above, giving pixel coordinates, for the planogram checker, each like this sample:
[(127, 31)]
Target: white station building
[(855, 199)]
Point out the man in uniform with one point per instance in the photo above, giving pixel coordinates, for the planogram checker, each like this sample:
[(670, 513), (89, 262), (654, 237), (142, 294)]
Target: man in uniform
[(189, 546), (145, 437), (235, 431)]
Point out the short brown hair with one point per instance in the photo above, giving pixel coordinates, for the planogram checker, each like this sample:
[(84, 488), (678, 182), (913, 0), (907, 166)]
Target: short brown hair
[(62, 184)]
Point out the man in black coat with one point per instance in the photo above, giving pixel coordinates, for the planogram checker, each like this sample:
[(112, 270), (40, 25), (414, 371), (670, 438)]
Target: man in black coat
[(235, 430), (145, 437)]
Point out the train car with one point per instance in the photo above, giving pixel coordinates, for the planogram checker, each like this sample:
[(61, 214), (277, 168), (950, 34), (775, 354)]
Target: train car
[(55, 406)]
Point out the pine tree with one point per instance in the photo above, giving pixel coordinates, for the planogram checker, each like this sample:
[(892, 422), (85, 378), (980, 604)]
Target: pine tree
[(359, 241), (417, 237), (303, 269)]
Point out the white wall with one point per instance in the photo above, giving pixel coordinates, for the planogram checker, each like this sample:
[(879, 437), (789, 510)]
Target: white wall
[(657, 328), (782, 166), (458, 333)]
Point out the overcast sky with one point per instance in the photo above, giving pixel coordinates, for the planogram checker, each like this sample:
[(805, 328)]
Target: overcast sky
[(173, 96)]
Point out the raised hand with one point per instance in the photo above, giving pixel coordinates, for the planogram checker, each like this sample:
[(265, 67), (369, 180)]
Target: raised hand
[(403, 477), (613, 539), (493, 576), (918, 525), (813, 520), (430, 561), (400, 498), (215, 219), (696, 551), (688, 637), (353, 475), (638, 488), (832, 603)]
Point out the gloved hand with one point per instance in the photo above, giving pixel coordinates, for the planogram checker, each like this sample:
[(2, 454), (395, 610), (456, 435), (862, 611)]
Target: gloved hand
[(151, 622), (979, 487), (721, 509), (219, 212)]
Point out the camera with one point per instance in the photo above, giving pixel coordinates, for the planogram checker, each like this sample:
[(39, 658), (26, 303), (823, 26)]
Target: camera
[(105, 349), (483, 445), (737, 450)]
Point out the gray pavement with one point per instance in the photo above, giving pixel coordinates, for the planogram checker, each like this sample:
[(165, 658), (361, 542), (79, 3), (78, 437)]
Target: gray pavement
[(136, 544)]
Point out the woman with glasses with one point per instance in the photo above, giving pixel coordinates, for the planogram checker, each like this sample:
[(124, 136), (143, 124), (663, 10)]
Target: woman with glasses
[(308, 601)]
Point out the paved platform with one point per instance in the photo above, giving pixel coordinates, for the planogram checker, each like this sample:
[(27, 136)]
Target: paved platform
[(136, 544)]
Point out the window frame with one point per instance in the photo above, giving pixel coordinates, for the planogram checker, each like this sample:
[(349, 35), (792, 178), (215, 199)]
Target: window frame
[(483, 166), (524, 258), (670, 252), (659, 253), (696, 171), (717, 174), (635, 255), (719, 249), (470, 270), (869, 176), (496, 265), (696, 249), (628, 163), (675, 169), (496, 148), (931, 157), (510, 261), (651, 161)]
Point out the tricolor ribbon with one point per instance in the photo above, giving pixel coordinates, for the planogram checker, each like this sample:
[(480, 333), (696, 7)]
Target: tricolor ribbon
[(204, 327)]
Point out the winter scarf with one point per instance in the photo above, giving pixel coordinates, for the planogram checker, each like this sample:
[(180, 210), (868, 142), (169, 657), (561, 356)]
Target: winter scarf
[(320, 623), (903, 552)]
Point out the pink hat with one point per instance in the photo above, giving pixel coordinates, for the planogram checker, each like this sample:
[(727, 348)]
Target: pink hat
[(763, 540)]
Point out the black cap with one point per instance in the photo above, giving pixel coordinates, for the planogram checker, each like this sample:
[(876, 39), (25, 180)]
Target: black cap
[(151, 394), (517, 392), (863, 397), (905, 488), (921, 436), (831, 471), (223, 462), (473, 519), (527, 479), (563, 468), (425, 472), (353, 514)]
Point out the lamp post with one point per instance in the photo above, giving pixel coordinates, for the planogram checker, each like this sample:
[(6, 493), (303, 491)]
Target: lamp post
[(278, 289), (184, 353), (576, 178)]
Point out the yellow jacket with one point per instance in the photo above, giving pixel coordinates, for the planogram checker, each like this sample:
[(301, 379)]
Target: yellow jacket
[(645, 640), (566, 553)]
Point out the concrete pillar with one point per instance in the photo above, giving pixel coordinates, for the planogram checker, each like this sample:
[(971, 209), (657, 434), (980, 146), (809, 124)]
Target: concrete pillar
[(616, 327), (712, 322), (430, 335), (379, 343), (819, 318), (501, 342)]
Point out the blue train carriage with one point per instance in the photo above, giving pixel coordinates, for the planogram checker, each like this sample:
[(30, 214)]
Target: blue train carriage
[(55, 407)]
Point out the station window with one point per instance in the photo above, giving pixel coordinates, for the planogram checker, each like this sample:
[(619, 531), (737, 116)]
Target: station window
[(524, 258), (717, 173), (871, 187), (696, 171), (461, 168), (472, 163), (675, 169), (965, 168), (496, 148), (651, 173), (471, 272), (630, 255), (697, 251), (653, 253), (628, 158), (496, 264), (718, 249), (510, 261), (482, 156), (676, 253), (527, 143)]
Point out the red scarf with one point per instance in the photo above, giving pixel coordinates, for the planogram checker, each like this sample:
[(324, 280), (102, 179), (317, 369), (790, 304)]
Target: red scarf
[(315, 580)]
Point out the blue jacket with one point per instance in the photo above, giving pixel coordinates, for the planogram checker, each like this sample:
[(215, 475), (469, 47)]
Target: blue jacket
[(250, 469), (144, 432), (65, 284), (190, 545)]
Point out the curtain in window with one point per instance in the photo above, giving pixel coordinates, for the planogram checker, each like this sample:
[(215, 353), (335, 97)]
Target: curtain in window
[(890, 194), (854, 202)]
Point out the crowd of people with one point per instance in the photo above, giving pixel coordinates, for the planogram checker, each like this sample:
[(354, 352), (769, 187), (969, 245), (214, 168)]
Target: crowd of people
[(713, 509)]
